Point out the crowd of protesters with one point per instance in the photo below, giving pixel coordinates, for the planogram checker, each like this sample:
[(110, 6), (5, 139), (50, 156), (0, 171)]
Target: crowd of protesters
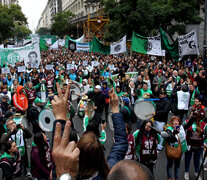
[(180, 88)]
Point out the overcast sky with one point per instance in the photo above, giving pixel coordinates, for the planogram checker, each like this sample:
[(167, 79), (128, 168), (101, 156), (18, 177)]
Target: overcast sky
[(32, 10)]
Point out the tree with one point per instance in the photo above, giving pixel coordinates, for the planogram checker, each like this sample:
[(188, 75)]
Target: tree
[(8, 17), (61, 25), (21, 31), (146, 17), (43, 31)]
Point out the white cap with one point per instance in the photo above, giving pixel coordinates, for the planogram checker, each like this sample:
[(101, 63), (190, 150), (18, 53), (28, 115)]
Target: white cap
[(98, 87), (85, 80)]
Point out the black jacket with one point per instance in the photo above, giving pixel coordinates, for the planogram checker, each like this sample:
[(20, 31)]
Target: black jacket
[(128, 114), (162, 109), (98, 99)]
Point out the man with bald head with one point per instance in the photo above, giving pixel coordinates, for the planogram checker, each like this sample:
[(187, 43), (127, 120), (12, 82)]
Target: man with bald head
[(129, 170)]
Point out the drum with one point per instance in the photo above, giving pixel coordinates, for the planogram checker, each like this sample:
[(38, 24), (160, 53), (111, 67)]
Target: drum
[(91, 112), (144, 109), (21, 119), (46, 120), (85, 104), (75, 90)]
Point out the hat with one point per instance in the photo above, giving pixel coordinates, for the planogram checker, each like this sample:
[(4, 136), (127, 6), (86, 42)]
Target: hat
[(8, 114), (38, 100), (104, 83), (125, 100), (98, 87), (86, 81)]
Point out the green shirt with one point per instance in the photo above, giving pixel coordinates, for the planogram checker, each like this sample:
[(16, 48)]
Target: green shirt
[(142, 92)]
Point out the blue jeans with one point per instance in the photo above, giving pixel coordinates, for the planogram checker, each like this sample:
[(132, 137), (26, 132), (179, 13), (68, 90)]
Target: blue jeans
[(196, 159), (170, 163)]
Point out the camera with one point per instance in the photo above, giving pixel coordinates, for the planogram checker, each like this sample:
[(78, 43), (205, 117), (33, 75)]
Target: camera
[(194, 112), (203, 73), (18, 126)]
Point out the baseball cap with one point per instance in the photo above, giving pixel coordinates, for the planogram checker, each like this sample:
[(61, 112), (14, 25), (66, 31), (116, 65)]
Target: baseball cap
[(38, 100), (98, 87), (126, 100)]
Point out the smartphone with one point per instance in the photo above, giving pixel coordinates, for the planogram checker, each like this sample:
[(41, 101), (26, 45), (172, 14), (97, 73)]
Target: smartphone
[(177, 127), (103, 121)]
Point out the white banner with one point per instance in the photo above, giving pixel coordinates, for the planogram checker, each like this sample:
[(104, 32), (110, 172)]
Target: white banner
[(154, 46), (82, 46), (21, 68), (5, 70), (118, 47), (30, 54), (188, 44)]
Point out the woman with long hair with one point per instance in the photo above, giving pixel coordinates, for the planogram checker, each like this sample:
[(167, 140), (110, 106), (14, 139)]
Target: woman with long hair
[(41, 160), (92, 162), (176, 134), (146, 141)]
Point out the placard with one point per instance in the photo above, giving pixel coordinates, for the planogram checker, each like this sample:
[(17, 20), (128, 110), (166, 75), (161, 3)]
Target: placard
[(85, 63), (49, 67), (5, 70), (70, 66), (21, 68), (111, 66), (34, 66), (95, 63)]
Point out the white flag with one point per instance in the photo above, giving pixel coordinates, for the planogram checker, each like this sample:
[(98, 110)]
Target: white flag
[(61, 42), (188, 44), (54, 46), (118, 47), (154, 46), (81, 39)]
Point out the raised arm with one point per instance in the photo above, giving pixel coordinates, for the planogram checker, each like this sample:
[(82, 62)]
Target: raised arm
[(120, 146), (65, 155)]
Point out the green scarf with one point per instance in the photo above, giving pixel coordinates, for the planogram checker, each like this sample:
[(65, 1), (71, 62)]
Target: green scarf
[(192, 100)]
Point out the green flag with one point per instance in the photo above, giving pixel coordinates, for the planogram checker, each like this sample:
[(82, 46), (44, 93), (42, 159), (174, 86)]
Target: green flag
[(147, 45), (43, 47), (97, 46), (171, 48), (48, 39), (139, 43)]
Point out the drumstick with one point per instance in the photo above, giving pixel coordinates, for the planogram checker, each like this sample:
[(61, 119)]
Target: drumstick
[(149, 114)]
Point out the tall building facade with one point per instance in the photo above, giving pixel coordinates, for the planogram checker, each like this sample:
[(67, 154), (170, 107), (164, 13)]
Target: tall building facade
[(80, 8), (52, 7), (8, 2)]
